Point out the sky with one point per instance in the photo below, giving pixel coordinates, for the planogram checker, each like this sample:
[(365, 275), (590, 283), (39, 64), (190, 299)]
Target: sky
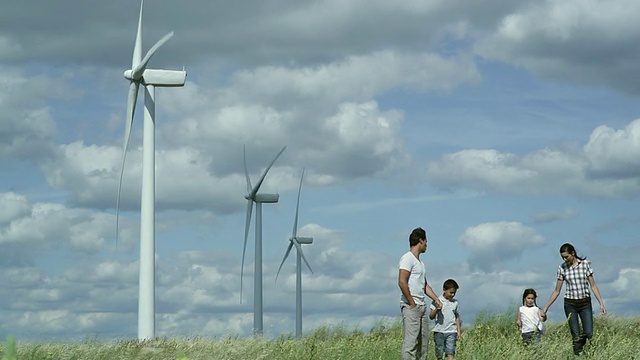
[(503, 128)]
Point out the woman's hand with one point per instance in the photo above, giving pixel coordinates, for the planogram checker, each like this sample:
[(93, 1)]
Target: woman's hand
[(543, 313)]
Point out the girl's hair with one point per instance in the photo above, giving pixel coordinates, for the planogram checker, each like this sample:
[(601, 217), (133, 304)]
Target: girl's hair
[(529, 292), (568, 248)]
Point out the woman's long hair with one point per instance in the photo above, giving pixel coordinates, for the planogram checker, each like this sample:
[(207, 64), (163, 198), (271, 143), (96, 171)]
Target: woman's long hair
[(568, 248)]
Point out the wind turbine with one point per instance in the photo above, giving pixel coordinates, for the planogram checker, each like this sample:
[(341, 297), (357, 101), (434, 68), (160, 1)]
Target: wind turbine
[(259, 199), (149, 79), (297, 241)]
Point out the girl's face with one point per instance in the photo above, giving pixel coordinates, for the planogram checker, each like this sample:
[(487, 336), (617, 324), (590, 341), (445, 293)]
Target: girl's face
[(529, 300), (568, 257)]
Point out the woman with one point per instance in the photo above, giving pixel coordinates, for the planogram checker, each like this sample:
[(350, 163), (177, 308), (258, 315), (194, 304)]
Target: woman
[(577, 273)]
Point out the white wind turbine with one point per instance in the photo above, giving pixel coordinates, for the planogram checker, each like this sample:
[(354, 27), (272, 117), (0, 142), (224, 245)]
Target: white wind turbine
[(297, 241), (253, 197), (149, 79)]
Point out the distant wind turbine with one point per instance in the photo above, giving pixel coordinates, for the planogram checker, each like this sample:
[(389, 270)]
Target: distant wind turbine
[(253, 197), (297, 241), (149, 79)]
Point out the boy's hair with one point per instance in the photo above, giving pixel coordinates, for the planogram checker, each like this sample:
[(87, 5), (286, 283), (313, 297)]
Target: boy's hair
[(529, 292), (450, 284), (416, 235)]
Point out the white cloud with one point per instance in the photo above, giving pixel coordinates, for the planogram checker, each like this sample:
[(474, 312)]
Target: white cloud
[(583, 42), (39, 227), (26, 125), (13, 206), (554, 215), (612, 153), (322, 113), (603, 169), (494, 244)]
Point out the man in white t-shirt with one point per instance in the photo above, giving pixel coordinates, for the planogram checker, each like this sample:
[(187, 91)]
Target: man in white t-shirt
[(412, 281)]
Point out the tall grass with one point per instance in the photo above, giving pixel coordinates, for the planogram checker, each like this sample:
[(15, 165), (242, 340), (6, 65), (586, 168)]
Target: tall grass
[(492, 336)]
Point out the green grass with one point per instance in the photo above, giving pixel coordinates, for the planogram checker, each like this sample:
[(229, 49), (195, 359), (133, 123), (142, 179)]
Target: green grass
[(492, 336)]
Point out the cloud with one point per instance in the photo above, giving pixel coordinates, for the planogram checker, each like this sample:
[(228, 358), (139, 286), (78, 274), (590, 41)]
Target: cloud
[(494, 244), (602, 169), (26, 124), (610, 152), (34, 228), (322, 113), (554, 215), (587, 42)]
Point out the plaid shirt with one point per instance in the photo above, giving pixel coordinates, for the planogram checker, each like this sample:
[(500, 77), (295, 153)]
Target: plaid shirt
[(576, 278)]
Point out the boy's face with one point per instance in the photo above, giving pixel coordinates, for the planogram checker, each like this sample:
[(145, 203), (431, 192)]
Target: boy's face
[(449, 293)]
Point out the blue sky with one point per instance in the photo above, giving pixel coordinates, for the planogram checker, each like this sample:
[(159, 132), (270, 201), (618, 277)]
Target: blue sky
[(504, 129)]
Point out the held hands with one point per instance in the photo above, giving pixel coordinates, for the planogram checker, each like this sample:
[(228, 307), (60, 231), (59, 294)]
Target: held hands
[(542, 313)]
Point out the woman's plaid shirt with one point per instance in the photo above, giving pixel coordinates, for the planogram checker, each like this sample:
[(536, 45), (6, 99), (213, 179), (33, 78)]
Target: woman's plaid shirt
[(576, 279)]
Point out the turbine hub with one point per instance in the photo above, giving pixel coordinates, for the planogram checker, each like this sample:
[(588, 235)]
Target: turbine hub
[(128, 74)]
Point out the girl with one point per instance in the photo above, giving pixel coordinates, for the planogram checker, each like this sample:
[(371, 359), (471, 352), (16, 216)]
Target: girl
[(529, 319), (576, 272)]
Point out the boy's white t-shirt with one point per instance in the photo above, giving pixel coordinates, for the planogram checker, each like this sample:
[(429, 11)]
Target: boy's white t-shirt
[(530, 318), (445, 321), (417, 278)]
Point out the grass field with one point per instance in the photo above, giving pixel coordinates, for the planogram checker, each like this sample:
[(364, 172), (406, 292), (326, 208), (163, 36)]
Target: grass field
[(491, 336)]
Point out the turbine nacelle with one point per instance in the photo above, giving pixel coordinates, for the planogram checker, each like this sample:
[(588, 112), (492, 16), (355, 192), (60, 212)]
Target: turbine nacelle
[(302, 240), (159, 77), (265, 198)]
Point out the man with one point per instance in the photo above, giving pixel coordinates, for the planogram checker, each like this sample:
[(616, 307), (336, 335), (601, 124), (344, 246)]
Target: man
[(412, 281)]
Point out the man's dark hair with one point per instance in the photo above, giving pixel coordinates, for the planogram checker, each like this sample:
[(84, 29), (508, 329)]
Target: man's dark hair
[(450, 284), (416, 235)]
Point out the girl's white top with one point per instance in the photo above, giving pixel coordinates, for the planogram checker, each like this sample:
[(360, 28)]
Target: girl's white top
[(530, 318)]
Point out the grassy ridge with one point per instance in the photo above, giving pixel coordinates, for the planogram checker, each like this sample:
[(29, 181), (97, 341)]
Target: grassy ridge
[(493, 336)]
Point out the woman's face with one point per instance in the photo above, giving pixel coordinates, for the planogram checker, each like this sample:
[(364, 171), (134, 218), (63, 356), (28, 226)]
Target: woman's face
[(568, 257)]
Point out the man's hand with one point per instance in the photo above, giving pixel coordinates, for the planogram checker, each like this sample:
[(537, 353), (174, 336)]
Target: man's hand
[(438, 304)]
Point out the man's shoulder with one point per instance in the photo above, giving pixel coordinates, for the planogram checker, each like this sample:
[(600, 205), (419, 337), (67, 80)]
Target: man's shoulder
[(408, 259)]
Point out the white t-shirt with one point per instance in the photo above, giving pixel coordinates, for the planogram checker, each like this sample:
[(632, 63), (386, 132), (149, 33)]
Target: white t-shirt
[(530, 318), (445, 321), (417, 277)]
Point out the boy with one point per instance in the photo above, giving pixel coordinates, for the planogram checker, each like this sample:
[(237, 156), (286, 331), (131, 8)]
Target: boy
[(447, 328)]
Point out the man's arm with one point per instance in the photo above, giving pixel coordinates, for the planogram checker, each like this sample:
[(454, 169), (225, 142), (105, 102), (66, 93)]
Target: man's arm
[(430, 293), (403, 283)]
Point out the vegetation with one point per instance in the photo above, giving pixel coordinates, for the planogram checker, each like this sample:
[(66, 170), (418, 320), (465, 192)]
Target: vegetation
[(492, 336)]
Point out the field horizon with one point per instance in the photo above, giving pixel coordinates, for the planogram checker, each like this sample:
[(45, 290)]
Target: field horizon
[(490, 336)]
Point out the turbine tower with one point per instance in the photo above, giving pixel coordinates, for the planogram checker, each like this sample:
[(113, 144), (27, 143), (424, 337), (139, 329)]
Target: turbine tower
[(149, 79), (259, 199), (297, 241)]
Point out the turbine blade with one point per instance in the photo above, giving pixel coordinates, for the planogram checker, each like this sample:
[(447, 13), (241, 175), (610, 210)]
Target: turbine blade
[(131, 107), (264, 174), (299, 248), (244, 248), (246, 172), (286, 254), (137, 46), (139, 68), (295, 221)]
